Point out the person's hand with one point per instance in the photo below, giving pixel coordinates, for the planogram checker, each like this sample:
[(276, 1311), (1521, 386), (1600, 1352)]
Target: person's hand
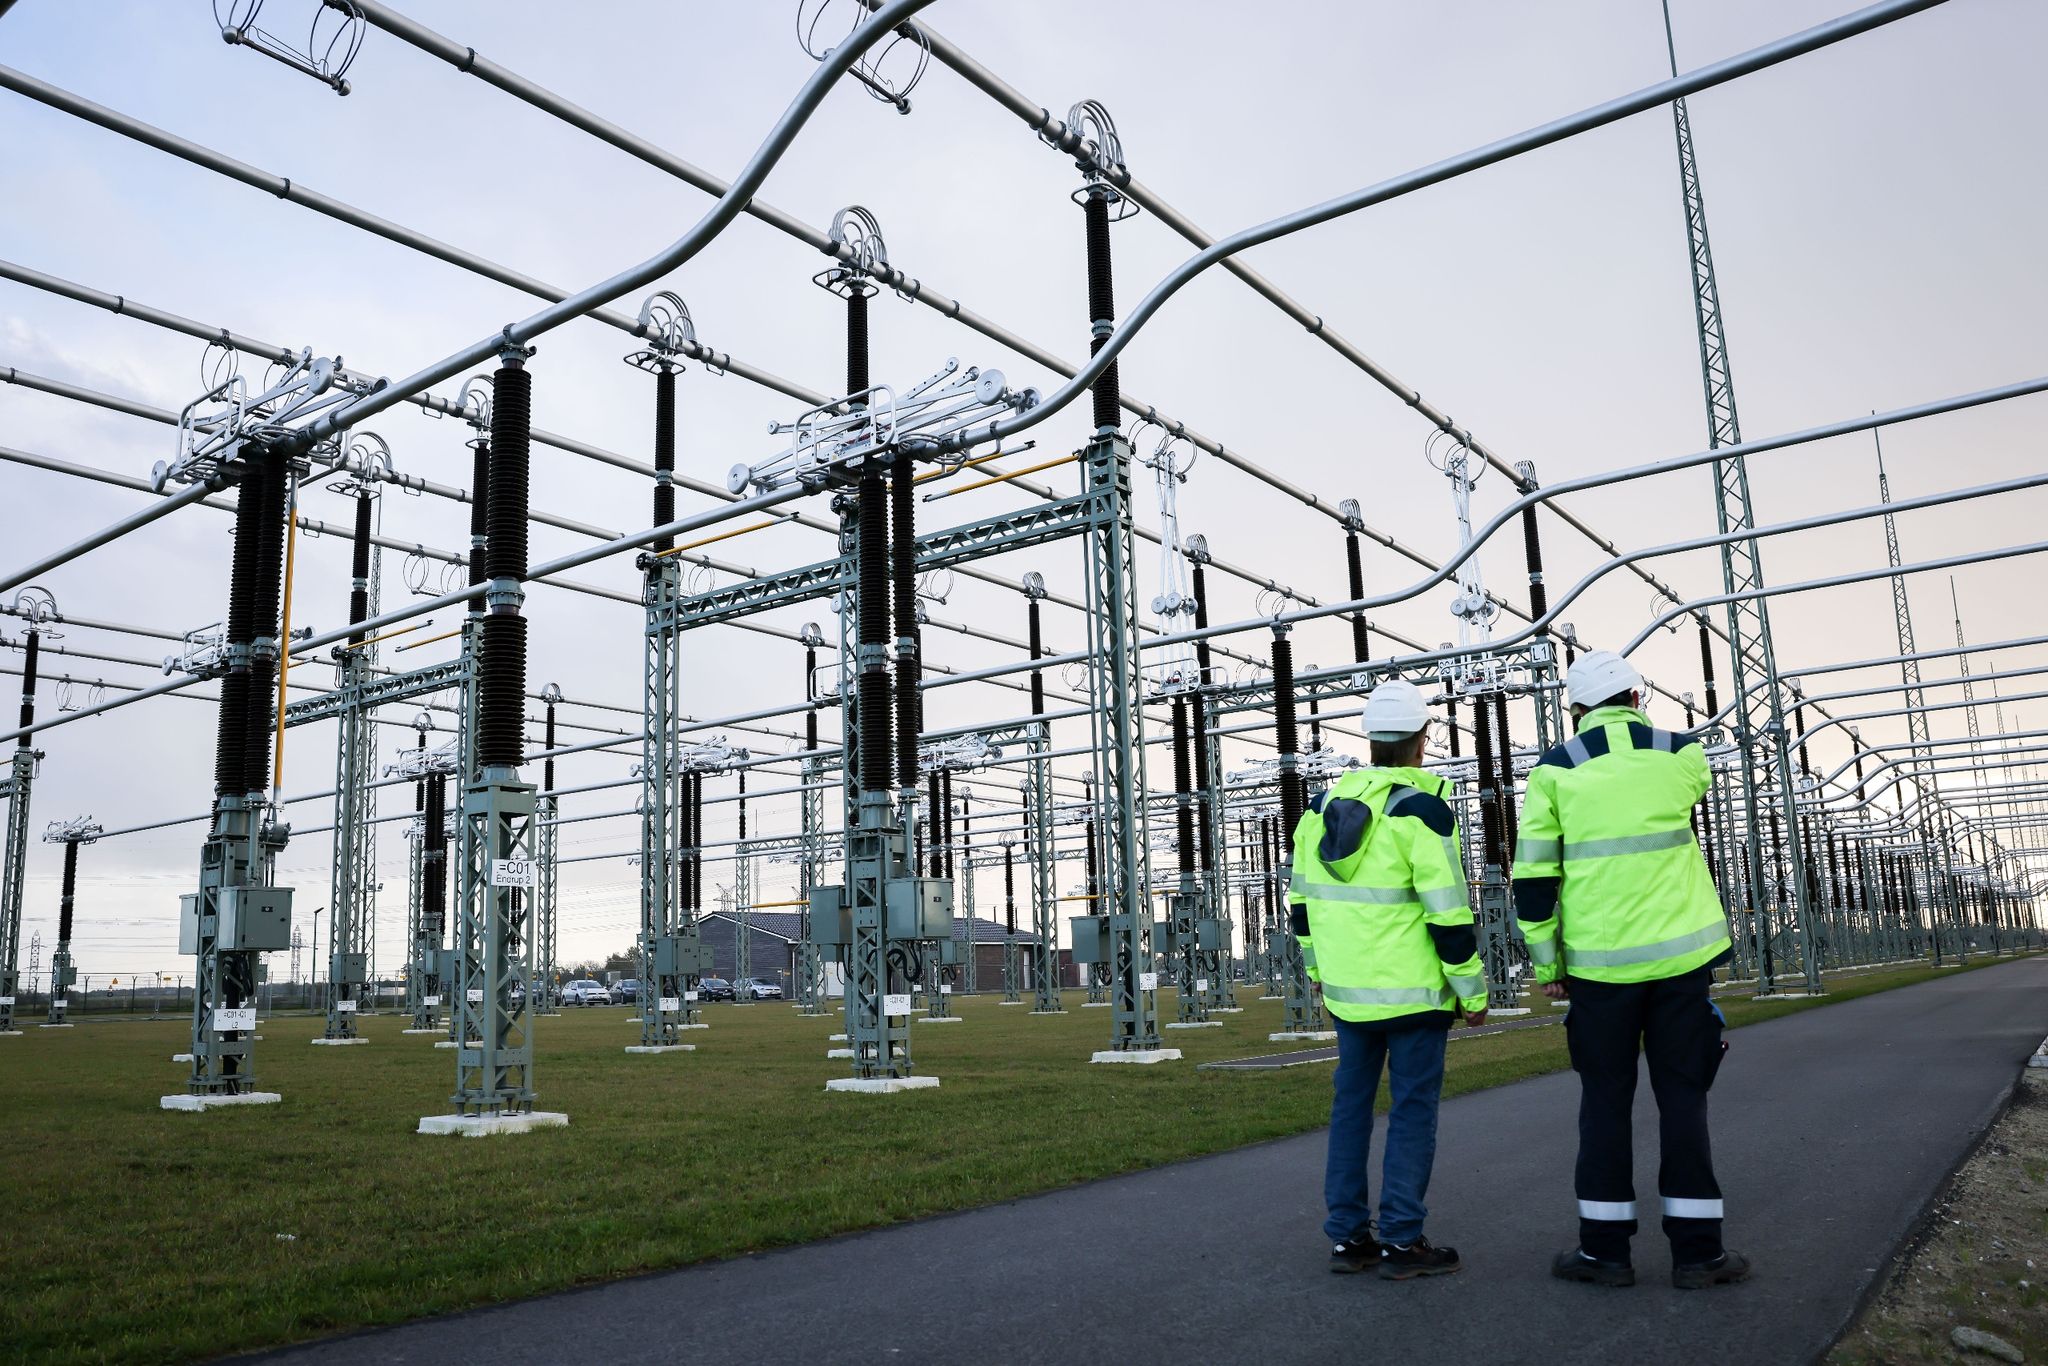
[(1557, 991), (1475, 1018)]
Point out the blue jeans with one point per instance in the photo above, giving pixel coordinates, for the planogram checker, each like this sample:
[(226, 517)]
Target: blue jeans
[(1414, 1061)]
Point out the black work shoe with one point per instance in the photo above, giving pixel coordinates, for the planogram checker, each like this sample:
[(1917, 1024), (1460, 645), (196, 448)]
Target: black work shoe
[(1575, 1265), (1353, 1255), (1399, 1263), (1726, 1269)]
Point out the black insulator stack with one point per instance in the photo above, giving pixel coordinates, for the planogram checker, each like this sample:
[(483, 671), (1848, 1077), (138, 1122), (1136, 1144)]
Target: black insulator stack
[(1489, 787), (1292, 797), (664, 453), (548, 768), (1361, 643), (871, 596), (811, 695), (1101, 311), (1183, 789), (1532, 551), (479, 515), (909, 639), (70, 893), (501, 692), (266, 599), (228, 758), (932, 834), (1707, 670), (1009, 889), (1037, 641), (28, 682), (1200, 715), (434, 853), (857, 340), (1091, 863), (359, 587), (1799, 725), (1508, 829), (1315, 723), (743, 805), (946, 818), (1456, 742), (697, 839), (1201, 590)]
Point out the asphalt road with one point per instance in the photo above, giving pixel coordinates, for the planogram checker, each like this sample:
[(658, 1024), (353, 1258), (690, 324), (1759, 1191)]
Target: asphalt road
[(1833, 1128)]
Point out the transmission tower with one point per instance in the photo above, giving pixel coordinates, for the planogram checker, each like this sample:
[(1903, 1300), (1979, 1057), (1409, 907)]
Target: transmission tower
[(1760, 714)]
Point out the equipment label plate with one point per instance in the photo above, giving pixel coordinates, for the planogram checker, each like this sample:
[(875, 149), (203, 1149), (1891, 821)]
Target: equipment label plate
[(345, 1007), (1201, 984), (945, 989), (1148, 981), (671, 1003), (689, 996), (225, 1019), (896, 1004), (6, 1000), (430, 1000), (512, 872), (476, 996)]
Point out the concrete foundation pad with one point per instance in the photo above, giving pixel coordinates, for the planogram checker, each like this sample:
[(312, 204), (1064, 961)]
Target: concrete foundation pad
[(181, 1057), (10, 1033), (1137, 1055), (1009, 1003), (192, 1102), (1196, 1024), (881, 1086), (839, 1052), (420, 1031), (485, 1126), (447, 1043), (938, 1019), (693, 1026), (1303, 1036), (661, 1048), (1226, 1010), (1095, 1005), (53, 1026), (835, 1038), (1048, 1012), (1506, 1010), (1272, 998), (336, 1043)]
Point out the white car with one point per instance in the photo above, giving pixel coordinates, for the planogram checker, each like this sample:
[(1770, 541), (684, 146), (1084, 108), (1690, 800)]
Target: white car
[(585, 991)]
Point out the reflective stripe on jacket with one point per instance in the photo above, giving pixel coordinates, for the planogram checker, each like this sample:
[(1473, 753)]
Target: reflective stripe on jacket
[(1607, 855), (1378, 897)]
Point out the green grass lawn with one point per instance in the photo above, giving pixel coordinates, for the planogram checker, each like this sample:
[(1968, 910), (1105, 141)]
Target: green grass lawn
[(137, 1235)]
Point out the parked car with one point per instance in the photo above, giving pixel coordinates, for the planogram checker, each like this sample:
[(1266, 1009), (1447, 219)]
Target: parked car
[(714, 989), (760, 989), (585, 991), (625, 989)]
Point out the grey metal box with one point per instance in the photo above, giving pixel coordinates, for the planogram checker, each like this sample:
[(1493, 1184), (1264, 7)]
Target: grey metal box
[(1209, 934), (353, 968), (920, 908), (1090, 941), (1164, 940), (188, 923), (831, 924), (255, 918), (62, 977), (949, 951)]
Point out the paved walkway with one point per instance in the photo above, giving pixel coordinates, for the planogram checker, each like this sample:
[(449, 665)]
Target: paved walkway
[(1833, 1127)]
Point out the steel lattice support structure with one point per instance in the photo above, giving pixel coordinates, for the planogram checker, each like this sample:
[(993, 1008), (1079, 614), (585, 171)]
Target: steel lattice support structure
[(16, 788), (1761, 725)]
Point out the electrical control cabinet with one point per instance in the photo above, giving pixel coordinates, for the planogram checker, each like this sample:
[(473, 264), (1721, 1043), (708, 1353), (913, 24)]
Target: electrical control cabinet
[(920, 908), (257, 919), (1090, 938)]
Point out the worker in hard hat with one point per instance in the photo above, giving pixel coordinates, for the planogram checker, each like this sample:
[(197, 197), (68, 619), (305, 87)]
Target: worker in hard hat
[(1622, 919), (1378, 901)]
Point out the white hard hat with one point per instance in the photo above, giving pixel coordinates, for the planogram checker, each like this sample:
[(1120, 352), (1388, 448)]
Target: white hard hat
[(1395, 711), (1596, 677)]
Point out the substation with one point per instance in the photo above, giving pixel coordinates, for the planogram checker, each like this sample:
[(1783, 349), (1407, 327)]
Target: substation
[(1123, 804)]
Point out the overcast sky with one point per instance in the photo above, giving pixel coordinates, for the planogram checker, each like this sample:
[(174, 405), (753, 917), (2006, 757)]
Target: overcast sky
[(1874, 221)]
